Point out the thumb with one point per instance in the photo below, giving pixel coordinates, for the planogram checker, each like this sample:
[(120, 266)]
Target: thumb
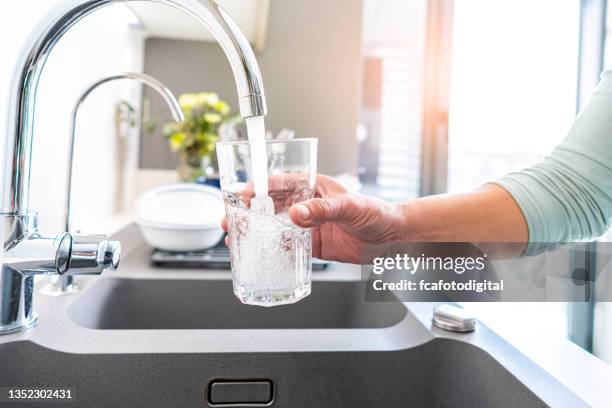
[(318, 211)]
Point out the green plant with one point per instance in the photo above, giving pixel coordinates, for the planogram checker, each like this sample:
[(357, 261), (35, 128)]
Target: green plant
[(194, 138)]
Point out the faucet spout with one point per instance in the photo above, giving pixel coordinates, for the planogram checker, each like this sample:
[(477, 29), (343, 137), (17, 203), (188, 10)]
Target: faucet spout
[(15, 192), (23, 251)]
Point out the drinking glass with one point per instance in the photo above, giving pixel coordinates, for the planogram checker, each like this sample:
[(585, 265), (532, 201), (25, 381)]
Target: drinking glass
[(271, 257)]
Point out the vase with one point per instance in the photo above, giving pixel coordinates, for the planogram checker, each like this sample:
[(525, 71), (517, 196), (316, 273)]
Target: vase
[(199, 169), (189, 167)]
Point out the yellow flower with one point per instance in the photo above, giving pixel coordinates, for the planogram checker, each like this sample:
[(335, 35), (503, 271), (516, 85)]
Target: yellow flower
[(203, 111), (177, 140), (170, 128), (212, 118), (222, 107), (208, 141), (188, 101), (206, 98)]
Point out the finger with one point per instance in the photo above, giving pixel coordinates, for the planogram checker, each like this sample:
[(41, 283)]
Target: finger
[(328, 187), (224, 224), (318, 211)]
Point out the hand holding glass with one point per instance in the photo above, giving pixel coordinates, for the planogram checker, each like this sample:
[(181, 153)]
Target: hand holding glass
[(271, 258)]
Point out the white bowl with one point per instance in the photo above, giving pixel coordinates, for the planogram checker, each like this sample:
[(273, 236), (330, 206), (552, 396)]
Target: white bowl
[(181, 217), (180, 239)]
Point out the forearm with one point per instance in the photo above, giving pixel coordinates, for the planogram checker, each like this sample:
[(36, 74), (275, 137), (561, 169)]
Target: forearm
[(488, 214)]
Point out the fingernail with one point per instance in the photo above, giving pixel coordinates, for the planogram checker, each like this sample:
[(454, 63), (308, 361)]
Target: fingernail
[(303, 211)]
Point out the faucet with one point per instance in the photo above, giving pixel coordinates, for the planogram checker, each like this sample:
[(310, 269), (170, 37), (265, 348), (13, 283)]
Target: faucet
[(65, 283), (25, 252)]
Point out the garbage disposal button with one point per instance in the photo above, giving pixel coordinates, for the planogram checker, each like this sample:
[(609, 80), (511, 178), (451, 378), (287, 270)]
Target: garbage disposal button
[(255, 392)]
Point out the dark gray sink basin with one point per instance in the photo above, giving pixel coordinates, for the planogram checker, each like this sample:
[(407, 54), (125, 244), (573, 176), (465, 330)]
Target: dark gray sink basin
[(143, 342), (119, 303), (440, 373)]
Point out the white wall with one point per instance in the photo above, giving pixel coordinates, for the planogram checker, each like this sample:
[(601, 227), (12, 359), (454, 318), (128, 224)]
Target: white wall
[(102, 44)]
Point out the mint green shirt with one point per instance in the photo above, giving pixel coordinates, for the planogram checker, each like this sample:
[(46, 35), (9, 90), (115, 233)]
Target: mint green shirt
[(568, 196)]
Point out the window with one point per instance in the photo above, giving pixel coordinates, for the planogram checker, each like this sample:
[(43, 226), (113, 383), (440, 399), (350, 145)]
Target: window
[(512, 100), (497, 126), (513, 85), (390, 130), (608, 39), (513, 97)]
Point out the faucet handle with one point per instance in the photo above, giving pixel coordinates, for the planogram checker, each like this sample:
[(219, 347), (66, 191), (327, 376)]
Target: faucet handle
[(92, 254)]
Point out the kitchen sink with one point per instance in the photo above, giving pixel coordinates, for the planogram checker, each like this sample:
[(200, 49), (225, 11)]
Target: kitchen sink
[(119, 303), (173, 337)]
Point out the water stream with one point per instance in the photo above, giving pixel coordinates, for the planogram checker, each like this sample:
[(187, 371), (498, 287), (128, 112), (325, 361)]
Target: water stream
[(256, 132)]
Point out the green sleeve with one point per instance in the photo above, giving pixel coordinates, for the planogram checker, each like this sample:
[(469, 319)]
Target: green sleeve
[(568, 196)]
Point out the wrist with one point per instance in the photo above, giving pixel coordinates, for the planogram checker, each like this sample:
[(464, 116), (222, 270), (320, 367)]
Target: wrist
[(408, 222)]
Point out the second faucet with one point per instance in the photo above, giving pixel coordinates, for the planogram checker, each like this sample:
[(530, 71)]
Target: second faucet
[(65, 283)]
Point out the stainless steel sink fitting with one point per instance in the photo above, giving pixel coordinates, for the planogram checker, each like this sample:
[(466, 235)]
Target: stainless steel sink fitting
[(25, 252), (453, 318), (65, 283)]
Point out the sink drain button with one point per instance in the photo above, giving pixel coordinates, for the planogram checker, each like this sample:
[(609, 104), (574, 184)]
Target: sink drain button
[(240, 392)]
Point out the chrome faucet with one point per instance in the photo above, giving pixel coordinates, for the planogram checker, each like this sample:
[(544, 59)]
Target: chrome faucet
[(65, 283), (25, 252)]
